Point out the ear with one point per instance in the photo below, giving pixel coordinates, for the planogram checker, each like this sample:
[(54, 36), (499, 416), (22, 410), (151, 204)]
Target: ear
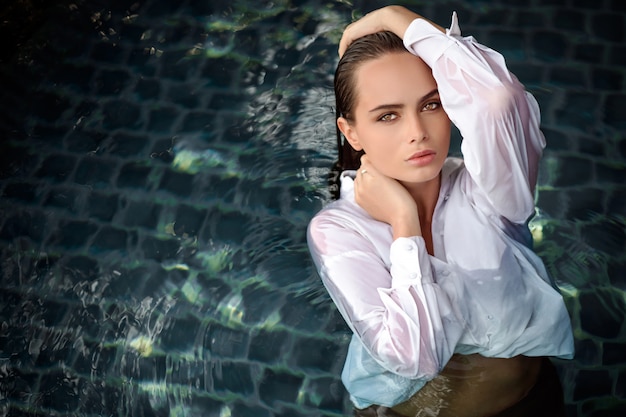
[(349, 133)]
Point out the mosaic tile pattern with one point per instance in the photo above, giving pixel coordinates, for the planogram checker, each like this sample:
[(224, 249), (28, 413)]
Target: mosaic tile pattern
[(160, 161)]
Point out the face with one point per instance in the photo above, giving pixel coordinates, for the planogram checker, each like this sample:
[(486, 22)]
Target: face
[(398, 119)]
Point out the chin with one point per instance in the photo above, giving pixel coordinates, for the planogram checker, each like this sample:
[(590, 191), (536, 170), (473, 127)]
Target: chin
[(426, 174)]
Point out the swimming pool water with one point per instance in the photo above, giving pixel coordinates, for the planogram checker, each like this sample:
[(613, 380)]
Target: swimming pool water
[(160, 161)]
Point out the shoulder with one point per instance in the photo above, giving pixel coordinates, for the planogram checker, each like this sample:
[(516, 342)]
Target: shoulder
[(339, 214), (343, 226), (344, 211), (339, 228), (458, 186), (452, 171), (452, 166)]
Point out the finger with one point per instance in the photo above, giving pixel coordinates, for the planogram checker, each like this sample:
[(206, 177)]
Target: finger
[(363, 168), (370, 23), (346, 40), (352, 32), (366, 171), (365, 161)]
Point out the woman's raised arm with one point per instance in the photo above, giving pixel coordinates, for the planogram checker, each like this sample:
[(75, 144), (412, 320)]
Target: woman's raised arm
[(498, 119), (395, 19)]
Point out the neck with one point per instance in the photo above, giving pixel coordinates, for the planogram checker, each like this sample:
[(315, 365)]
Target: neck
[(425, 195)]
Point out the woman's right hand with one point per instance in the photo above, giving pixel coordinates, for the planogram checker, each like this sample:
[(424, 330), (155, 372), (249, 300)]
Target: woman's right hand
[(395, 19), (386, 200)]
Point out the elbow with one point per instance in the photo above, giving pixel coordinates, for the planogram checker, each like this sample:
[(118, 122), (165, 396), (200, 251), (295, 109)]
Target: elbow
[(504, 100)]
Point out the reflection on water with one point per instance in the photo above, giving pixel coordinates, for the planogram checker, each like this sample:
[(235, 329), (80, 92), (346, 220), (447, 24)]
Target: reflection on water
[(160, 161), (158, 265)]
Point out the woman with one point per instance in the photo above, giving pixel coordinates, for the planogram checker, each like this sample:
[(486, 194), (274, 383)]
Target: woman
[(427, 257)]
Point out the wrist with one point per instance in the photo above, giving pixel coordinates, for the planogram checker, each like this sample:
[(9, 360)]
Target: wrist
[(399, 18), (406, 228)]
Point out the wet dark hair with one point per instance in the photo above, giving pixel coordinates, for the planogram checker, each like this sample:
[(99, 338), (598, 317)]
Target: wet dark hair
[(364, 49)]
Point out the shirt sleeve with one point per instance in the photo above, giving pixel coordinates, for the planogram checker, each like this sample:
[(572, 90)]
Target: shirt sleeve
[(393, 311), (497, 118)]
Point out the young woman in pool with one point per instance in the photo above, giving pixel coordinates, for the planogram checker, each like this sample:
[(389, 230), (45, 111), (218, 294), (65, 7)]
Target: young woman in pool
[(427, 257)]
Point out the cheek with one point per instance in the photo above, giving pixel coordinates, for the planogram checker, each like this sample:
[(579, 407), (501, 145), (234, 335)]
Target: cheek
[(442, 127), (371, 137), (447, 131)]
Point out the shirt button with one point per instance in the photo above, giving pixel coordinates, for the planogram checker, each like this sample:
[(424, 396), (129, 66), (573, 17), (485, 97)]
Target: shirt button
[(409, 246), (446, 197), (413, 275), (489, 317)]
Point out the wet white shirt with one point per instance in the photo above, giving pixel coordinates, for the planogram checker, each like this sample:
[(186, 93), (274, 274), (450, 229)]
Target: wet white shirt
[(484, 290)]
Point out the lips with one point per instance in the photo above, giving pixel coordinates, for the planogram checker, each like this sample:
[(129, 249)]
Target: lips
[(422, 157), (421, 154)]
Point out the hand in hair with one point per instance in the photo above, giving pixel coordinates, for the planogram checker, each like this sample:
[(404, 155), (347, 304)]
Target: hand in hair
[(395, 19)]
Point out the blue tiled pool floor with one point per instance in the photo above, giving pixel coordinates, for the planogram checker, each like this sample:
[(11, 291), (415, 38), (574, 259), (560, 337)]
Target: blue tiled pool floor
[(160, 161)]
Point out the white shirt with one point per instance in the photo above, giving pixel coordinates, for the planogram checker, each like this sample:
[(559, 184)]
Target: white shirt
[(484, 290)]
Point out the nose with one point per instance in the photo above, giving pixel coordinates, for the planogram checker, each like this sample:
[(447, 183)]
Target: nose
[(416, 129)]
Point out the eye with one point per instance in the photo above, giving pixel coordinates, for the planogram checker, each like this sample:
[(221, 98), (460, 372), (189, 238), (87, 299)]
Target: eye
[(387, 117), (433, 105)]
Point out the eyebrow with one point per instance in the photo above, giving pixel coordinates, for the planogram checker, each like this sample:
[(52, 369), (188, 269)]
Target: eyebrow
[(395, 106)]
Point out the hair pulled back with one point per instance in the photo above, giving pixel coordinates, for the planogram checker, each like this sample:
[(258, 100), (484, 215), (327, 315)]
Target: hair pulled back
[(362, 50)]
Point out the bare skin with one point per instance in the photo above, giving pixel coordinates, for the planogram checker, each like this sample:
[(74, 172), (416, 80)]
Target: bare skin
[(392, 18), (404, 195), (474, 386)]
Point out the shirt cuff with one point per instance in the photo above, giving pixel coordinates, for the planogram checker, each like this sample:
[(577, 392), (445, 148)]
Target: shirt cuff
[(426, 41), (410, 264)]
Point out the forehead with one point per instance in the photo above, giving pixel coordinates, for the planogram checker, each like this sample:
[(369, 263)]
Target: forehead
[(394, 78)]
